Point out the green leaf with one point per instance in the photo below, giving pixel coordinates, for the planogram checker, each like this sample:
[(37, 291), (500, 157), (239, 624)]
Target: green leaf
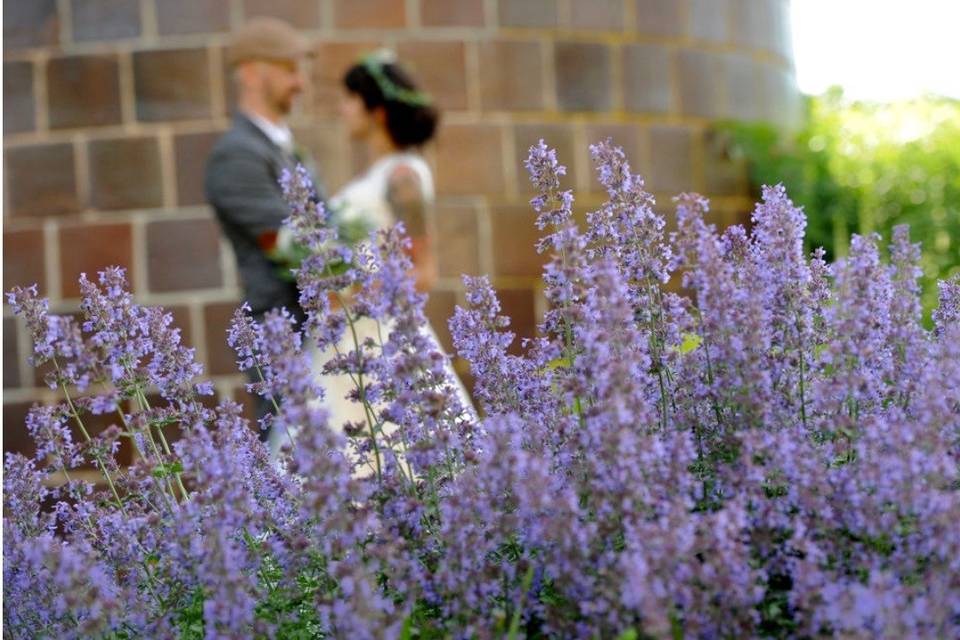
[(690, 342), (515, 622), (406, 632)]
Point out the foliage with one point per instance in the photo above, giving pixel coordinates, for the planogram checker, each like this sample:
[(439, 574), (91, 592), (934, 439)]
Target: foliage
[(775, 454), (864, 167)]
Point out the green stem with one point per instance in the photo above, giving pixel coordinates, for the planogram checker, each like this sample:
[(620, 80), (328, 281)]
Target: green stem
[(706, 351), (362, 389), (276, 407), (568, 353), (403, 435), (86, 435), (165, 484), (803, 400)]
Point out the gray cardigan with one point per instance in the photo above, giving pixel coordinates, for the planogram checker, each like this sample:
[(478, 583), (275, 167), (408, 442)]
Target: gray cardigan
[(242, 185)]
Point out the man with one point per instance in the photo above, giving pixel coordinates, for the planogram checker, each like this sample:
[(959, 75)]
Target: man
[(245, 165)]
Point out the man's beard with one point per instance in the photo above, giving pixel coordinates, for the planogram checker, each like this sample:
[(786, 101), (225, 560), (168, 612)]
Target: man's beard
[(282, 104)]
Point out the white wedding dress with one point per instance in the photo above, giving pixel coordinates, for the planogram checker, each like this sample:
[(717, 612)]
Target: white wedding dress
[(364, 199)]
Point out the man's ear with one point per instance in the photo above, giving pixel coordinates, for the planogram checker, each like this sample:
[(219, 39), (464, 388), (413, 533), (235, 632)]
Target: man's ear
[(244, 73), (380, 115)]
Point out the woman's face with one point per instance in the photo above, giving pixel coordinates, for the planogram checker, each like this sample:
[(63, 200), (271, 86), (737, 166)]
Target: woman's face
[(359, 121)]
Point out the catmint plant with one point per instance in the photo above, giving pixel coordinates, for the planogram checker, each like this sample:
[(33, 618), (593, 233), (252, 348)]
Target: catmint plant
[(713, 435)]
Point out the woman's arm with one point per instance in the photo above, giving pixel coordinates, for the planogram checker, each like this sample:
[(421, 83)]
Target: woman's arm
[(406, 199)]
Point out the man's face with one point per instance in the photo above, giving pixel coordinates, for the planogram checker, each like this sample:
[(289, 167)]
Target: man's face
[(280, 82)]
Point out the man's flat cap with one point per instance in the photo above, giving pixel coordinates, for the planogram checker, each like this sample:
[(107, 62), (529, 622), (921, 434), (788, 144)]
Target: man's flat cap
[(266, 39)]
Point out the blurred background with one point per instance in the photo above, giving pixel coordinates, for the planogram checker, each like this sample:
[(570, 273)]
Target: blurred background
[(878, 143), (110, 107)]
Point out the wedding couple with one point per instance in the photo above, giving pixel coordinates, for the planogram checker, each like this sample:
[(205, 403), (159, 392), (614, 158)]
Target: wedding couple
[(381, 108)]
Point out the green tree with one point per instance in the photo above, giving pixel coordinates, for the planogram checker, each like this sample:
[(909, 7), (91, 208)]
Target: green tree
[(866, 167)]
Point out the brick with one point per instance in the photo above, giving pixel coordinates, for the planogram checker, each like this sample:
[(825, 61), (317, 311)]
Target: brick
[(583, 76), (11, 352), (627, 136), (511, 75), (16, 439), (556, 136), (647, 84), (40, 374), (23, 259), (469, 382), (190, 153), (183, 254), (781, 99), (514, 237), (781, 32), (18, 97), (83, 91), (192, 16), (744, 101), (659, 17), (221, 359), (451, 13), (606, 15), (757, 24), (470, 160), (34, 23), (528, 13), (229, 85), (41, 180), (369, 14), (456, 241), (439, 68), (725, 215), (327, 145), (519, 305), (105, 19), (439, 308), (709, 20), (245, 399), (701, 78), (332, 61), (91, 248), (181, 320), (671, 156), (125, 173), (171, 84), (303, 15)]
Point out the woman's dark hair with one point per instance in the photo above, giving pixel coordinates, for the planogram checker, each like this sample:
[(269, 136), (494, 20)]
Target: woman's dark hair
[(409, 123)]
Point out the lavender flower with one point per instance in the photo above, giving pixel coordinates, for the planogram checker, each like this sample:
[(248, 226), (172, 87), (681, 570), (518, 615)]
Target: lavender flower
[(948, 311), (769, 450), (48, 428)]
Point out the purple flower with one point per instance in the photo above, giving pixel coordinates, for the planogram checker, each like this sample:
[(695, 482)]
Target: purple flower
[(948, 311), (116, 325), (49, 430), (768, 449)]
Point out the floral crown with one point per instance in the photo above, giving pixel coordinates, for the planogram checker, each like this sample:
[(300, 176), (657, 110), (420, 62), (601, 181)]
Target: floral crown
[(374, 62)]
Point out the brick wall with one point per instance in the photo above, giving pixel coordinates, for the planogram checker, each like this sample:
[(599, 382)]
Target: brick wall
[(111, 105)]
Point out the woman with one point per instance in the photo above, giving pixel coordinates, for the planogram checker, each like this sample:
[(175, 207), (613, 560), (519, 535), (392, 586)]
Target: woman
[(383, 110)]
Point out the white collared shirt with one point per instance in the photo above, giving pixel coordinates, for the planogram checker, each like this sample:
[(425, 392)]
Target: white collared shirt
[(279, 134)]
